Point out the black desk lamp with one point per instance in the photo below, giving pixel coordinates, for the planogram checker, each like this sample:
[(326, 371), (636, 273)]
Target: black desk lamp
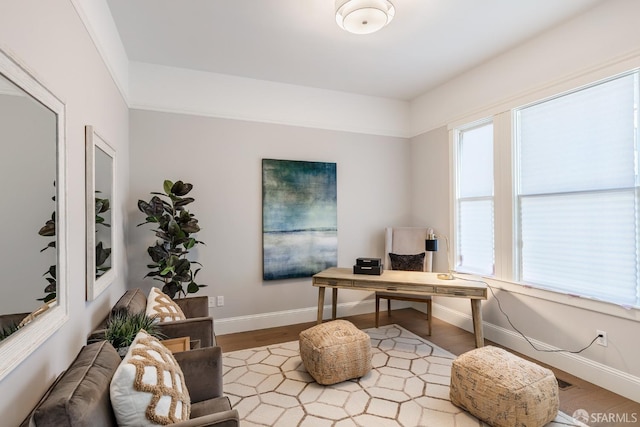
[(431, 245)]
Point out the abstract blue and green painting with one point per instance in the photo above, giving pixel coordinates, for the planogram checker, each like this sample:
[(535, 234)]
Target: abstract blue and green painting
[(299, 218)]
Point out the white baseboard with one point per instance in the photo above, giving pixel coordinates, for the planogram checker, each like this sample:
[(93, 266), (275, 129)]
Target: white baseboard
[(597, 373), (254, 322)]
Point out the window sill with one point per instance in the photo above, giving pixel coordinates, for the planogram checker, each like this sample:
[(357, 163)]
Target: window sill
[(585, 303)]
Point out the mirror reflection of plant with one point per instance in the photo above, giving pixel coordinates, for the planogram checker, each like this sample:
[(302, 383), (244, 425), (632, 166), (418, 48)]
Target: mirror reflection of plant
[(49, 230), (102, 254), (175, 226)]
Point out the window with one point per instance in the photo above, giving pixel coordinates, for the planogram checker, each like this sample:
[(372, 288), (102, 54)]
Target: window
[(577, 192), (568, 203), (474, 243)]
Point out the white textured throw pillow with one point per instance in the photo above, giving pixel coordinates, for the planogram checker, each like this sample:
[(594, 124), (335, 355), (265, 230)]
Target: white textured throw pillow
[(148, 387), (163, 307)]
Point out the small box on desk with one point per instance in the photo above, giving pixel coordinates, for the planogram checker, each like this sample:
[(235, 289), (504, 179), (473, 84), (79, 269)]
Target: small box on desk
[(369, 262), (374, 270)]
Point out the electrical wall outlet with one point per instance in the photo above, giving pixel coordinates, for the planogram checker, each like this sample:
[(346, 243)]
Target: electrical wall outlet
[(220, 301), (602, 338), (212, 302)]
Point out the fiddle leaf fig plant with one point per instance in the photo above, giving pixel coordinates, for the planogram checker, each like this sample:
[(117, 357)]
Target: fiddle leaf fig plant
[(175, 226)]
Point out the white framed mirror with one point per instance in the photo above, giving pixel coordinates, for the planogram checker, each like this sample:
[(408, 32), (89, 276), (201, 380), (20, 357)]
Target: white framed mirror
[(32, 124), (100, 196)]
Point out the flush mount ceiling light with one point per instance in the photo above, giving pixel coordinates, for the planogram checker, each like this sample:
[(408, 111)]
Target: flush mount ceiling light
[(363, 16)]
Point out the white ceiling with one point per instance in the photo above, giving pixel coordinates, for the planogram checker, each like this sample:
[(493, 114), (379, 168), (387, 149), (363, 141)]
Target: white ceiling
[(298, 41)]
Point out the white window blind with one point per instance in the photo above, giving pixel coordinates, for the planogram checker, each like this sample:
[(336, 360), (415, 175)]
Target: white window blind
[(475, 205), (577, 192)]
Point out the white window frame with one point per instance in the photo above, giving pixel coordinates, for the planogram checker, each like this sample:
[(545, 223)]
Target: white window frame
[(456, 237), (505, 235)]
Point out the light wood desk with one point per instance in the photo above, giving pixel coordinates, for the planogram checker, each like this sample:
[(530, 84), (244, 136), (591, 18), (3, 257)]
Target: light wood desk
[(405, 282)]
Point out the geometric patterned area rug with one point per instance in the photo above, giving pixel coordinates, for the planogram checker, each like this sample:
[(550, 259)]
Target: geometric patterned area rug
[(407, 387)]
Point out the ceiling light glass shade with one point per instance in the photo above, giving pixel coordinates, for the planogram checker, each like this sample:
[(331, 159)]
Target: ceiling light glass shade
[(363, 16)]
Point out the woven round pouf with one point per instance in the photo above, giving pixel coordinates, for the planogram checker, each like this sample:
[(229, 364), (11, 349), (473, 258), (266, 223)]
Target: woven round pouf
[(335, 351), (503, 389)]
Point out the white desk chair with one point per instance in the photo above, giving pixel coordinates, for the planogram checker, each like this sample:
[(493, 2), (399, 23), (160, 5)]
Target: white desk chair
[(406, 241)]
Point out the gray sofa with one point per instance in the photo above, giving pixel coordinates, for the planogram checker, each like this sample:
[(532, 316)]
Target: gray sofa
[(198, 326), (80, 396)]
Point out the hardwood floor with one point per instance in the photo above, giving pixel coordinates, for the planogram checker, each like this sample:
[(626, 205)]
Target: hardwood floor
[(579, 395)]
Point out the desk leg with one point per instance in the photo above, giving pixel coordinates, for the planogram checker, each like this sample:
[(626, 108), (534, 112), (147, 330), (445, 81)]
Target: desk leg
[(476, 314), (320, 303), (334, 307)]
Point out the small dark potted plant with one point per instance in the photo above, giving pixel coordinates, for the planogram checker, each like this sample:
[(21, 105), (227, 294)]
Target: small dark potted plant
[(122, 328), (175, 226)]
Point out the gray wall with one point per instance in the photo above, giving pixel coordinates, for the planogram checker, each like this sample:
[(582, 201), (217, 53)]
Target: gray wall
[(222, 159)]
